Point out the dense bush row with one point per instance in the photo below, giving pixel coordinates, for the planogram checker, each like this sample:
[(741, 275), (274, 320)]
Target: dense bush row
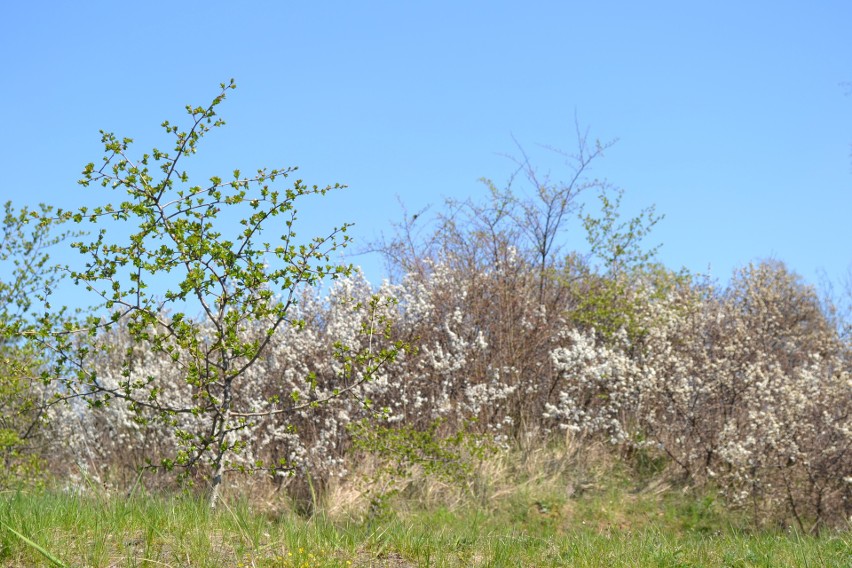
[(746, 387)]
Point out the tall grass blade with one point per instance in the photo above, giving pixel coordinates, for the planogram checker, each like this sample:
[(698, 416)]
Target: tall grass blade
[(54, 560)]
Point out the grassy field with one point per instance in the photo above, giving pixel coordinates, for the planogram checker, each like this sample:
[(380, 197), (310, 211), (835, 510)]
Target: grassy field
[(604, 526), (559, 505)]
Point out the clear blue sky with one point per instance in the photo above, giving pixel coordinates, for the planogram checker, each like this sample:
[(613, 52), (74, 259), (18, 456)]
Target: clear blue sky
[(731, 116)]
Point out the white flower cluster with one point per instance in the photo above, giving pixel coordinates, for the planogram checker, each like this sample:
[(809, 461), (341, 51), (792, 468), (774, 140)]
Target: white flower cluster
[(598, 387)]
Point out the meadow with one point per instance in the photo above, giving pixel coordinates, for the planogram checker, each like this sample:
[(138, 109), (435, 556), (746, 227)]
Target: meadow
[(549, 509)]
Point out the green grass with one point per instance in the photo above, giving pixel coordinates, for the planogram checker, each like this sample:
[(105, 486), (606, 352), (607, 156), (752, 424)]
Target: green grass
[(528, 527)]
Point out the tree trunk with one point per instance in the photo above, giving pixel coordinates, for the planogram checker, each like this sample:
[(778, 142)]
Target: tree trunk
[(219, 460)]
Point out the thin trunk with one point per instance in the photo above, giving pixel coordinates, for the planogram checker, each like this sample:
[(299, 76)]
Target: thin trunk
[(219, 461)]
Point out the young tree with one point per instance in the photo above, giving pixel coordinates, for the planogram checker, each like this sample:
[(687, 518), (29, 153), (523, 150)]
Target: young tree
[(223, 293), (542, 215), (27, 277)]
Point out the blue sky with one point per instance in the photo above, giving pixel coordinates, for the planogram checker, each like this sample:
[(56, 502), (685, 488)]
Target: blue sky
[(731, 116)]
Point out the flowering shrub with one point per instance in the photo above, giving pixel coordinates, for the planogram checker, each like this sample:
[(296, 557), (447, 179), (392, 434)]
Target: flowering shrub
[(598, 389), (747, 390), (760, 399)]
